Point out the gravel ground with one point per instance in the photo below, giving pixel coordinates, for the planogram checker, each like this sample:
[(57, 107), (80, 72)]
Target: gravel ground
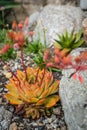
[(11, 121)]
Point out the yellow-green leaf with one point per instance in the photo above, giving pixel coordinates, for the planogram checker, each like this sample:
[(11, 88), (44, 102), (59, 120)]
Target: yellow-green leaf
[(33, 100), (13, 100), (40, 102), (51, 100), (20, 74), (38, 91), (57, 45), (54, 88), (44, 94)]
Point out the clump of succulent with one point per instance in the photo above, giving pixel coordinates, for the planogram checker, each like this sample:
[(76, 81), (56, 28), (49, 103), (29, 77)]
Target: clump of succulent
[(7, 52), (69, 40), (60, 59), (32, 91), (36, 48)]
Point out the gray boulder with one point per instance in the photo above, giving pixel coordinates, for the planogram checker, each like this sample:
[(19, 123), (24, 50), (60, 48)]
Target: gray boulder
[(55, 19), (33, 20), (5, 118), (83, 4), (63, 2), (74, 98)]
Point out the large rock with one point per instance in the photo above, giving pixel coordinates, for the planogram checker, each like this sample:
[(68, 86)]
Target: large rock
[(63, 2), (56, 19), (83, 4), (5, 118), (74, 98), (33, 20), (26, 8)]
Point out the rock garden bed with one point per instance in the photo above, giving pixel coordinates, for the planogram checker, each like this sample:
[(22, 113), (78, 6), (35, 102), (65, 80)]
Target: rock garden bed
[(41, 77)]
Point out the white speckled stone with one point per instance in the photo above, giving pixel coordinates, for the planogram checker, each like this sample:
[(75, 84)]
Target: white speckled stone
[(55, 19), (83, 4), (74, 98)]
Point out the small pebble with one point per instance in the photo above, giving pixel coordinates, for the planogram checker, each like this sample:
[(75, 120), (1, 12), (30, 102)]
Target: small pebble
[(56, 111), (13, 126), (63, 128)]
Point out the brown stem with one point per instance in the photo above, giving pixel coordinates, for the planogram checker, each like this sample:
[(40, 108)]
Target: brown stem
[(24, 67), (37, 74)]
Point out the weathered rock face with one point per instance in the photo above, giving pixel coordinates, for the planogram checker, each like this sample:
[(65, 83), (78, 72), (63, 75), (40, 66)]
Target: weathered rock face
[(56, 18), (74, 98), (63, 2), (33, 20), (83, 4), (5, 118)]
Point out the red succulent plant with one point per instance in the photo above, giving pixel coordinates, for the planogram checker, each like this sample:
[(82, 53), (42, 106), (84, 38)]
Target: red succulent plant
[(5, 49)]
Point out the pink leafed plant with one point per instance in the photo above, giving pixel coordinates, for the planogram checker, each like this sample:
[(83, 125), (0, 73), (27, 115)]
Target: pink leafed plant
[(5, 49), (61, 59)]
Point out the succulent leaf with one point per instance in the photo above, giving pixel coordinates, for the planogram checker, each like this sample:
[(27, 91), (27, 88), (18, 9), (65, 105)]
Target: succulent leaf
[(13, 100), (78, 35), (54, 88), (78, 44), (40, 102), (50, 101), (32, 112), (57, 45)]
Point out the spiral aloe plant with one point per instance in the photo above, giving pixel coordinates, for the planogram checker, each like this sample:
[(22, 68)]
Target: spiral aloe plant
[(35, 91), (69, 40)]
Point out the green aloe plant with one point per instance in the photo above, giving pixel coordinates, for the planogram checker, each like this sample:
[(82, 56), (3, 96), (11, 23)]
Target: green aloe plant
[(35, 46), (69, 40), (36, 49)]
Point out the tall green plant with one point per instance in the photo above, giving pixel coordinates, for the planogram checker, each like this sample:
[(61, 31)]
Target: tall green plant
[(37, 48)]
